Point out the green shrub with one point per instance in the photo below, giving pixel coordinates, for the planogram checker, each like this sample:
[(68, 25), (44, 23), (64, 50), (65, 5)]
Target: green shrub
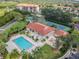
[(18, 26)]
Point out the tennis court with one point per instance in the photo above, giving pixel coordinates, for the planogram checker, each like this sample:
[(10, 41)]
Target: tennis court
[(58, 26)]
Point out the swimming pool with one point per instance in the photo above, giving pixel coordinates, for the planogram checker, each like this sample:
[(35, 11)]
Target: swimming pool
[(22, 43)]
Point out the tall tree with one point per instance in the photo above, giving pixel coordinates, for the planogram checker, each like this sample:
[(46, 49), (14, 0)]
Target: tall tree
[(57, 15)]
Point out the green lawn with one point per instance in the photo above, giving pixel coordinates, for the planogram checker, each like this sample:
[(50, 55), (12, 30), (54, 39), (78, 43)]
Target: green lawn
[(46, 52), (75, 35), (3, 6), (2, 12), (7, 4), (18, 26), (7, 56)]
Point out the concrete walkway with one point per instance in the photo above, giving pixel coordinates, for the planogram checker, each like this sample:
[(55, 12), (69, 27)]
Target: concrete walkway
[(66, 55), (1, 56)]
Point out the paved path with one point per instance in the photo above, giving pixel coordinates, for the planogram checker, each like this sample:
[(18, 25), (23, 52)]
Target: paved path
[(1, 56), (66, 55), (8, 25)]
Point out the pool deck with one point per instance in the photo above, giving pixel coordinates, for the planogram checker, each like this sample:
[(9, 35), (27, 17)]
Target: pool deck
[(11, 45)]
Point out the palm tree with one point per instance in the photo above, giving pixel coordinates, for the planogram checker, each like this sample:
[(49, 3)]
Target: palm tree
[(14, 54)]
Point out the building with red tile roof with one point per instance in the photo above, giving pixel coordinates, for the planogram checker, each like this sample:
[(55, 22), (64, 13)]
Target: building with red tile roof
[(41, 31), (44, 30), (40, 28), (61, 33), (28, 7)]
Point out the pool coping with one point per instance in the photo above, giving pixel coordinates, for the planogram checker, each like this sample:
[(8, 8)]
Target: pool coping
[(14, 45), (22, 42)]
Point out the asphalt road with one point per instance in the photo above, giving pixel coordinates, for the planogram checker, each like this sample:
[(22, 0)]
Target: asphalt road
[(8, 25)]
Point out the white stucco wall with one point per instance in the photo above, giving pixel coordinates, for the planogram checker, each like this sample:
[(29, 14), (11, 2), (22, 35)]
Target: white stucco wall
[(20, 8), (49, 35), (37, 9)]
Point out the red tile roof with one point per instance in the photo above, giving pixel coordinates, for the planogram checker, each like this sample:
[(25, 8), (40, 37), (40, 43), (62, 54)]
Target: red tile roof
[(43, 29), (61, 33), (40, 28)]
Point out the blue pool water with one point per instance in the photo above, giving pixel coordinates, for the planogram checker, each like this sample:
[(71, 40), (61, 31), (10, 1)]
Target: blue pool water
[(22, 43)]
